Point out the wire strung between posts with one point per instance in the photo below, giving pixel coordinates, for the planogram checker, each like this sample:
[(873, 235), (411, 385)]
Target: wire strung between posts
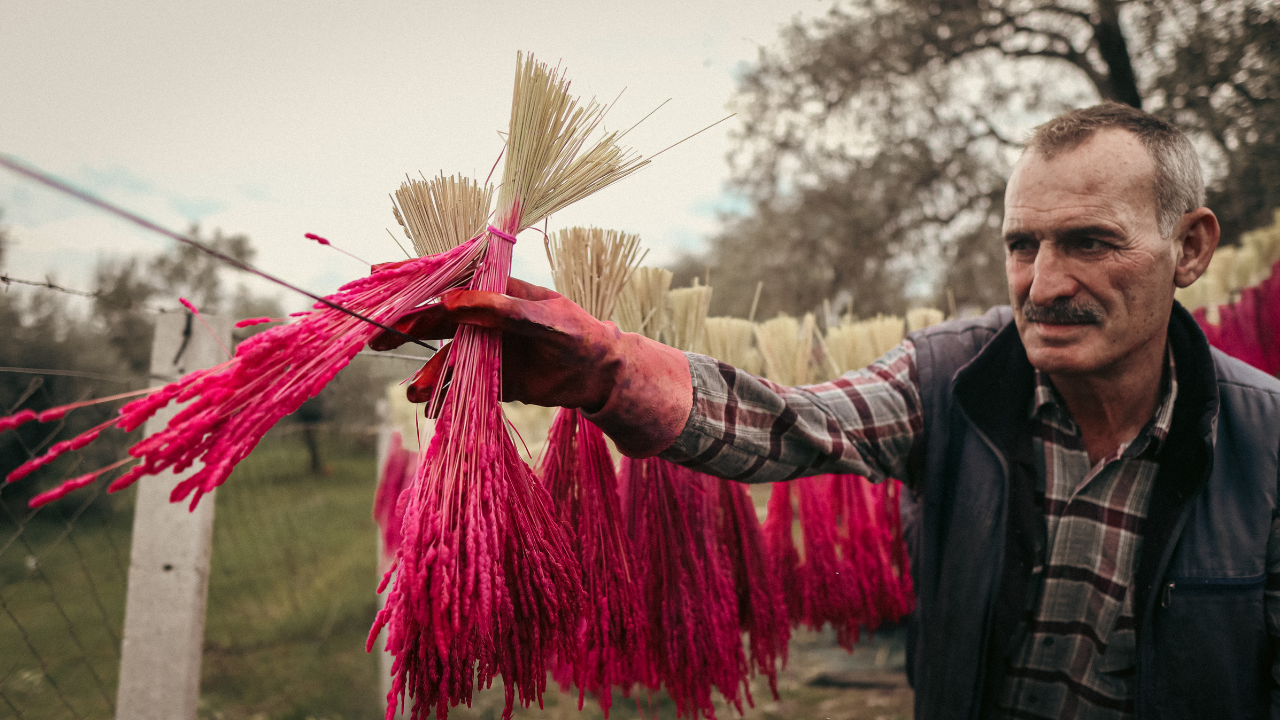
[(97, 295), (52, 182)]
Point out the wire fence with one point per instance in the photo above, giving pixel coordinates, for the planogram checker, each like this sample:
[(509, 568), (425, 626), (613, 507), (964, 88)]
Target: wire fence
[(291, 579)]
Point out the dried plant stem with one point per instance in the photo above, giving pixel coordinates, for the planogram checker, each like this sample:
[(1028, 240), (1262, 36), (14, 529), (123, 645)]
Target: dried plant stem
[(787, 347), (488, 581), (590, 266), (688, 316), (643, 302), (732, 340), (439, 214)]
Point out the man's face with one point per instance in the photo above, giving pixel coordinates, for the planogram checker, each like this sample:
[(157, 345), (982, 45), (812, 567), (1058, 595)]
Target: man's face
[(1090, 278)]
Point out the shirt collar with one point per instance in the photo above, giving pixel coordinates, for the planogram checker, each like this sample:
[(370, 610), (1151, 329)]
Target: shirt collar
[(1048, 407)]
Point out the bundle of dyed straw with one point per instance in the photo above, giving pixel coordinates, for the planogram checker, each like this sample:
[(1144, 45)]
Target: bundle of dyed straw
[(868, 522), (231, 405), (694, 644), (851, 569), (394, 476), (762, 607), (590, 267), (1237, 300), (487, 581)]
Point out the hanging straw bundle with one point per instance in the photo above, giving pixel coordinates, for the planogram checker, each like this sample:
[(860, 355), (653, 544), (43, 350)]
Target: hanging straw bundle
[(1247, 328), (643, 302), (688, 316), (487, 582), (786, 345), (394, 476), (820, 584), (590, 267), (731, 340), (923, 317), (867, 521), (762, 608), (437, 215), (694, 644), (857, 344)]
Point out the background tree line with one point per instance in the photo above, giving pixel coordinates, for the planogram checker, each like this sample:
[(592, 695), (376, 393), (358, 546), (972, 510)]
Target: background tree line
[(876, 141)]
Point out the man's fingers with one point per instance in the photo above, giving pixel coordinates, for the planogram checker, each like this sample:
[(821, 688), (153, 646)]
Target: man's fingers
[(514, 312), (429, 323), (424, 381)]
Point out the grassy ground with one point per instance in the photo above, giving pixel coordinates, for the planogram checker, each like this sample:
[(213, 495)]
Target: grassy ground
[(290, 601)]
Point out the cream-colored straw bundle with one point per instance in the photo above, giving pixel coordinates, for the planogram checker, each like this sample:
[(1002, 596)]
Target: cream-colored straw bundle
[(442, 213), (1232, 269), (855, 345), (590, 266), (786, 344), (731, 340), (921, 318), (642, 304), (687, 317)]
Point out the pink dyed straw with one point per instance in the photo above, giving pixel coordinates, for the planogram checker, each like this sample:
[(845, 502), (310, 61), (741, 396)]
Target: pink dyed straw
[(486, 580), (610, 641), (231, 405)]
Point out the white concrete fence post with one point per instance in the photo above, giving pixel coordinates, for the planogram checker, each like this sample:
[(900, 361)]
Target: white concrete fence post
[(169, 559)]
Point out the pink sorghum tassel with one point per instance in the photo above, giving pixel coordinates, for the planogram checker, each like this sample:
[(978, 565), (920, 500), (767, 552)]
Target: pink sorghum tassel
[(486, 583), (762, 608), (388, 505), (833, 591), (609, 646), (854, 573), (779, 538), (231, 405), (694, 641)]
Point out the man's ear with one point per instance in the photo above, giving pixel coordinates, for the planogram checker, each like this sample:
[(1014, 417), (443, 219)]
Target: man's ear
[(1197, 238)]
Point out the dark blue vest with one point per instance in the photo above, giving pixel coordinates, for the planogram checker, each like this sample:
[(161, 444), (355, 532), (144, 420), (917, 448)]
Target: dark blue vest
[(1203, 646)]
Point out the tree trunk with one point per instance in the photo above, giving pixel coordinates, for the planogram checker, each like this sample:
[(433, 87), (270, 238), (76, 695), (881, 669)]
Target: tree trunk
[(1121, 81)]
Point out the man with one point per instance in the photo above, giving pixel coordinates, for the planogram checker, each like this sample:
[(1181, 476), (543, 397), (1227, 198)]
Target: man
[(1098, 533)]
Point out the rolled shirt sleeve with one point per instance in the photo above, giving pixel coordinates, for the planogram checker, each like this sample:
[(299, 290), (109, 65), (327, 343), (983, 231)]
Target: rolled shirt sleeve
[(746, 428)]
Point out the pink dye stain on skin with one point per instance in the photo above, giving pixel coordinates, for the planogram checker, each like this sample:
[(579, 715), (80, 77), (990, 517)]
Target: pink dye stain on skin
[(609, 646)]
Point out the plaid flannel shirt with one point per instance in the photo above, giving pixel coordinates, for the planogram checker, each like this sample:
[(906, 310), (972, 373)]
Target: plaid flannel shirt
[(1078, 658)]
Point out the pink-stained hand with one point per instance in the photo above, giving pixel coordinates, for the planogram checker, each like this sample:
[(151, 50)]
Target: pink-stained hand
[(556, 354)]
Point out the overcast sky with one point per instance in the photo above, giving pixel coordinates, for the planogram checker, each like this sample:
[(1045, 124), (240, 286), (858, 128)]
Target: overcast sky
[(275, 119)]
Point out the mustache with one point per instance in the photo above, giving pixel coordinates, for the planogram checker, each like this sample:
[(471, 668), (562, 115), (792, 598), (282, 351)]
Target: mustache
[(1063, 312)]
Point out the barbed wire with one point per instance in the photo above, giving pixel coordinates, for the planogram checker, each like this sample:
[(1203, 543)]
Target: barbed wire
[(96, 295), (50, 181)]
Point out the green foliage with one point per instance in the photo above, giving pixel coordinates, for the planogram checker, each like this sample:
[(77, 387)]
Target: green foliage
[(108, 347), (876, 141)]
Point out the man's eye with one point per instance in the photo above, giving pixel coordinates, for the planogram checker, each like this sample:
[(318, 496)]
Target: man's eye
[(1020, 247), (1091, 245)]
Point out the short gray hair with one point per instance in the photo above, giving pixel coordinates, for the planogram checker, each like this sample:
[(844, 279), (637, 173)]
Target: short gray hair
[(1179, 183)]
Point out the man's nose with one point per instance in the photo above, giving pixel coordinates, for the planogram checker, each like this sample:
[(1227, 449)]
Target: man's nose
[(1053, 276)]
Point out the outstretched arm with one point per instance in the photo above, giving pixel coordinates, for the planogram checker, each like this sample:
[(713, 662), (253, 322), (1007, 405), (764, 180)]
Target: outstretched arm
[(746, 428), (652, 398)]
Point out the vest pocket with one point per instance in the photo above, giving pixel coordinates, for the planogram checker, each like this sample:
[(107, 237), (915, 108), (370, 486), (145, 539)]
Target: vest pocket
[(1211, 651)]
